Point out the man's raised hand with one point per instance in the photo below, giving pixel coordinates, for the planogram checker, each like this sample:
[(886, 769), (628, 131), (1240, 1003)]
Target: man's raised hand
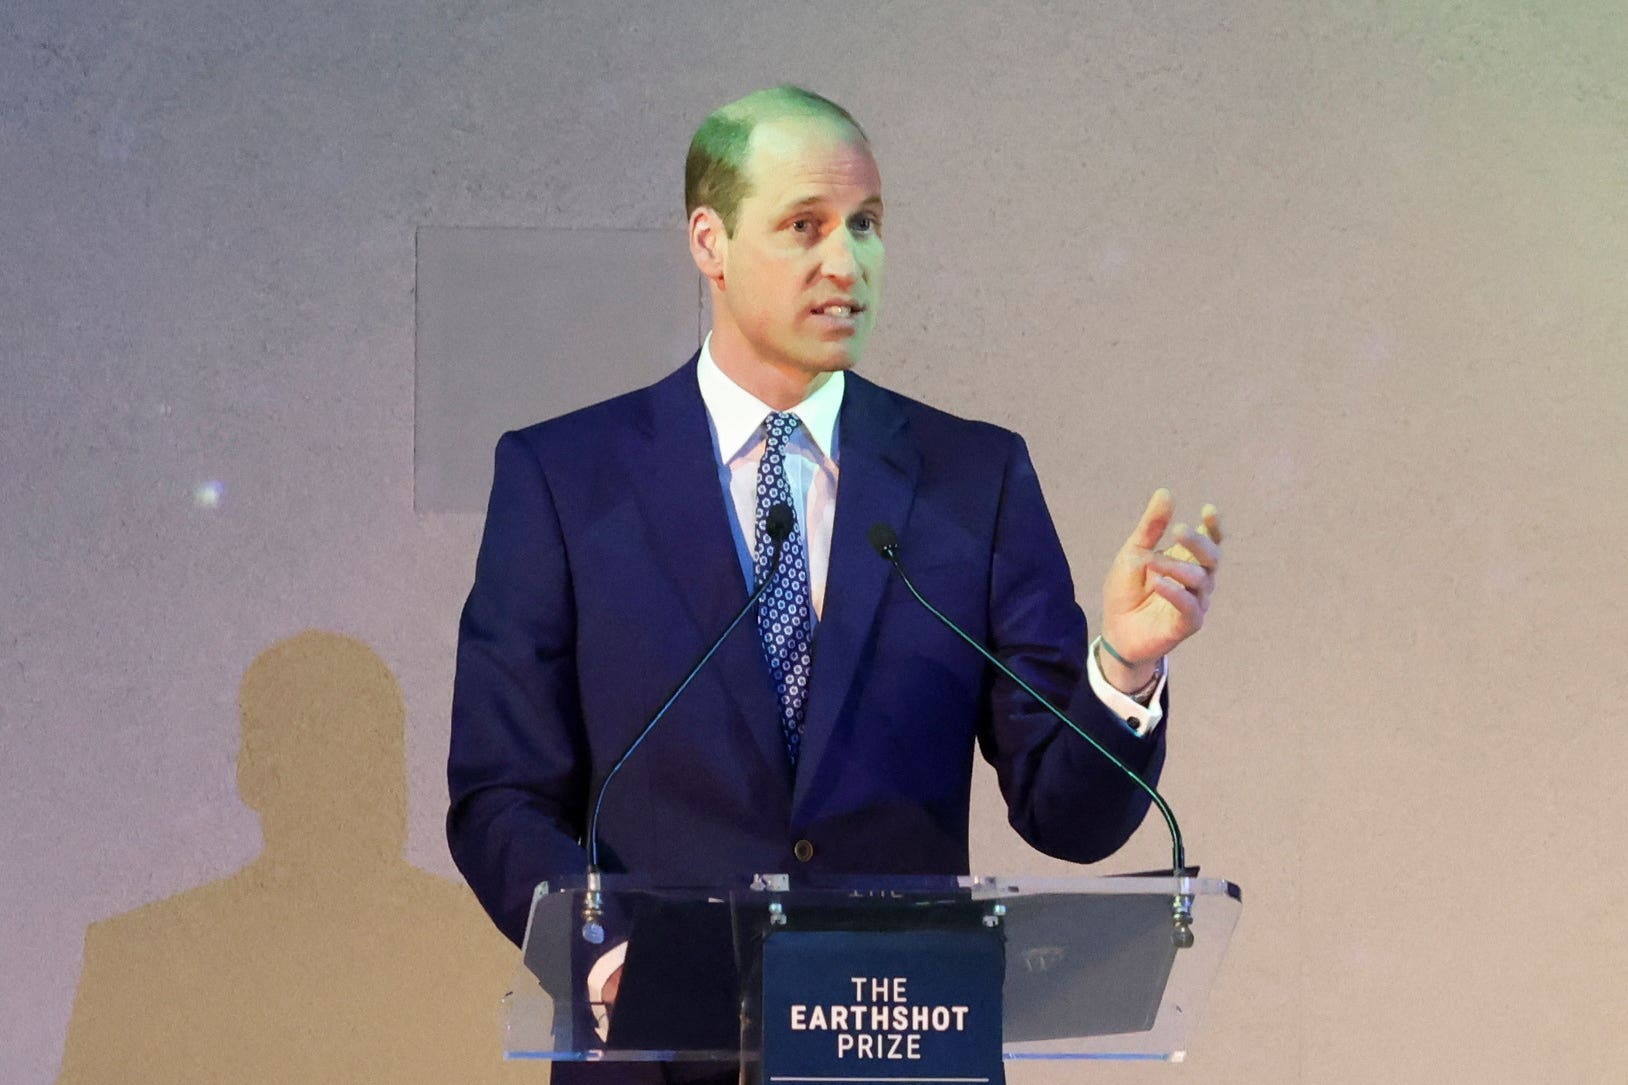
[(1153, 599)]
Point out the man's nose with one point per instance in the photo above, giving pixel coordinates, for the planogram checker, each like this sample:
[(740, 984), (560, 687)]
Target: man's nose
[(840, 260)]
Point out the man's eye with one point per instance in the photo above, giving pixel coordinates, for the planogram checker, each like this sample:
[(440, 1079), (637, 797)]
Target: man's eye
[(866, 223), (802, 226)]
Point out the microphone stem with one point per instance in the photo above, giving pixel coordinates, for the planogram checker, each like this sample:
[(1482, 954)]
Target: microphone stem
[(1179, 851), (599, 802)]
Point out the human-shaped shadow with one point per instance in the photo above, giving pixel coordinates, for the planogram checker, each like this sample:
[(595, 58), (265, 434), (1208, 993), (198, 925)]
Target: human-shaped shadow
[(329, 958)]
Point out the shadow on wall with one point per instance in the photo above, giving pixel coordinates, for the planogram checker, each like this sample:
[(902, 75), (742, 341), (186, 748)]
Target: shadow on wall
[(329, 958)]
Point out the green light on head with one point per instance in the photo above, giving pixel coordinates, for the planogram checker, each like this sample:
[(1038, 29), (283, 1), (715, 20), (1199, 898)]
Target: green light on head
[(715, 168)]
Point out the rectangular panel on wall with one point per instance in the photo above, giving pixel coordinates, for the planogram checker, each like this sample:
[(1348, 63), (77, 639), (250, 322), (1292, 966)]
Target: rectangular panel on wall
[(518, 325)]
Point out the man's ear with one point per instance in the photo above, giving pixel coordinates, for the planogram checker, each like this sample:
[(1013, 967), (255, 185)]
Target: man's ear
[(708, 244)]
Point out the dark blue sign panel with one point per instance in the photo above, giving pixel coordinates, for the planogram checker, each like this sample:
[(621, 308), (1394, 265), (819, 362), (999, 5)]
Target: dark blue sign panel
[(921, 1007)]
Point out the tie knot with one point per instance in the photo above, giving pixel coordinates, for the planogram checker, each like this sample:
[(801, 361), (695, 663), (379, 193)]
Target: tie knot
[(779, 427)]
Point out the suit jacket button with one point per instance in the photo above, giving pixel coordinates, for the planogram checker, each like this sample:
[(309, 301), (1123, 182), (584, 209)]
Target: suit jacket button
[(803, 850)]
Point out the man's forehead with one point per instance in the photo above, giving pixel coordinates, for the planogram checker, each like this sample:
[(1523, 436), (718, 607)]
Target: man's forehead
[(794, 161)]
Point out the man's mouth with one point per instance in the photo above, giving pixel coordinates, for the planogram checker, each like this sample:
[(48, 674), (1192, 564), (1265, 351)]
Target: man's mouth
[(838, 309)]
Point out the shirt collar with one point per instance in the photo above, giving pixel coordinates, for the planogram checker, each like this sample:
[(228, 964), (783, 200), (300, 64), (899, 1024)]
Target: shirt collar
[(737, 415)]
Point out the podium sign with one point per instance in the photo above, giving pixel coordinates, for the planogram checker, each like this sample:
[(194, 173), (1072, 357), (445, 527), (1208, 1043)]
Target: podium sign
[(879, 1006)]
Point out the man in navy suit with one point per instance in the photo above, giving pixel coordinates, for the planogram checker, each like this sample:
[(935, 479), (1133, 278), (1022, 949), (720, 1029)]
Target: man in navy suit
[(621, 538)]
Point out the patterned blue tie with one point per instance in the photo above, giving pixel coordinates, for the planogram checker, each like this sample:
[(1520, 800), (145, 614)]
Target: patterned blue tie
[(785, 614)]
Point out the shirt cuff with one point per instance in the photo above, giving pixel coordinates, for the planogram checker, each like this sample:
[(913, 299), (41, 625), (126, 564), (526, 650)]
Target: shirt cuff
[(1139, 718)]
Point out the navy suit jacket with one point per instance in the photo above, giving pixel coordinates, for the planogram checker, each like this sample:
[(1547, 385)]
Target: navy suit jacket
[(608, 565)]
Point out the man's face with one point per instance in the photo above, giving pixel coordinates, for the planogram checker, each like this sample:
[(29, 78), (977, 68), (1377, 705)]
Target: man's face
[(807, 237)]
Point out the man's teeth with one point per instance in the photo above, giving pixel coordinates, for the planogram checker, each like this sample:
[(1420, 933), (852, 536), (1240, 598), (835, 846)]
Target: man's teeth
[(837, 310)]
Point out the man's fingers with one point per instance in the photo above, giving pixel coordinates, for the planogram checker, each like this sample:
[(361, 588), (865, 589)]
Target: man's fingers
[(1188, 574), (1195, 546), (1178, 596), (1211, 522), (1155, 518), (1201, 546)]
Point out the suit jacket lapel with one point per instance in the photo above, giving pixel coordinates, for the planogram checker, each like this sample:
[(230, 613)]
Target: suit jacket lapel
[(675, 478), (877, 483)]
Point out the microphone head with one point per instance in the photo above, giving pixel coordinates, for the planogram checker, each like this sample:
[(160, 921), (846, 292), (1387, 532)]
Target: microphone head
[(884, 540), (779, 521)]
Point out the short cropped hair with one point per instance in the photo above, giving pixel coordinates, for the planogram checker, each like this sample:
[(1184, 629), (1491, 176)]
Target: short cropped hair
[(715, 169)]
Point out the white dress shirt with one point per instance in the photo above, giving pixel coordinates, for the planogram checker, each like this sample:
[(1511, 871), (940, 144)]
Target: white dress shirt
[(812, 469), (811, 461)]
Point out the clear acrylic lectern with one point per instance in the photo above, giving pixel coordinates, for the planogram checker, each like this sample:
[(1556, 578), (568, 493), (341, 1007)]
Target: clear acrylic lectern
[(1087, 968)]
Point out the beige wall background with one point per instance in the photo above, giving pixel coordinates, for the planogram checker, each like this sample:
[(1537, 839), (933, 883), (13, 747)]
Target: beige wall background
[(1353, 270)]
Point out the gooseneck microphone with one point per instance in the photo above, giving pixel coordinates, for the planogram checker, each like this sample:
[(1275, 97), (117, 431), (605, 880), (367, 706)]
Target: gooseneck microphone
[(777, 524), (886, 543)]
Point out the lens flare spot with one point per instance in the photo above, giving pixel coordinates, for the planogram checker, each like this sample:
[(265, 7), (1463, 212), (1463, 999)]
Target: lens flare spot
[(207, 495)]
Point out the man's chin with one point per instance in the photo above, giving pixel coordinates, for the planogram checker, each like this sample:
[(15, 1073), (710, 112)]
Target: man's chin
[(835, 360)]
